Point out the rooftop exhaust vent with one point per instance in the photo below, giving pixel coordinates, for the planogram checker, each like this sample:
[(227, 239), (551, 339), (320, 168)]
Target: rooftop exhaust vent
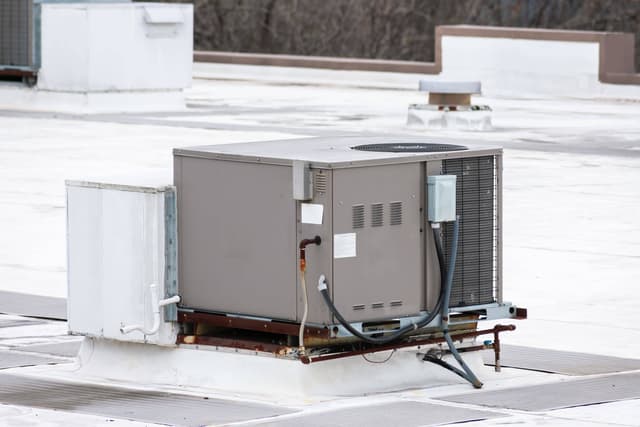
[(403, 147)]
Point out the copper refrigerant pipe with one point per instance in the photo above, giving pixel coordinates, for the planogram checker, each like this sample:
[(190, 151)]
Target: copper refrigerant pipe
[(303, 246), (496, 350)]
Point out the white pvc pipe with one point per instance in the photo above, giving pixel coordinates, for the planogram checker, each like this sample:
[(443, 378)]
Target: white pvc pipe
[(153, 290)]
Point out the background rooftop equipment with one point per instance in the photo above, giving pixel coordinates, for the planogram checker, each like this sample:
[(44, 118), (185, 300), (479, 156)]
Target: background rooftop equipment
[(92, 56)]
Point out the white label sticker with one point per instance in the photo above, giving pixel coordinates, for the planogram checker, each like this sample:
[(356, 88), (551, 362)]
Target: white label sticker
[(344, 245), (311, 213)]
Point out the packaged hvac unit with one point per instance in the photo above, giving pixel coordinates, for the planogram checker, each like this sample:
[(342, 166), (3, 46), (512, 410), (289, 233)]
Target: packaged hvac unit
[(359, 207)]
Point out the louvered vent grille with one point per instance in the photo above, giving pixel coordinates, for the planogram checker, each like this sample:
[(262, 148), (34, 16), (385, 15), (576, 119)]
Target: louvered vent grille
[(357, 216), (474, 280), (377, 215), (16, 17), (320, 182), (395, 213)]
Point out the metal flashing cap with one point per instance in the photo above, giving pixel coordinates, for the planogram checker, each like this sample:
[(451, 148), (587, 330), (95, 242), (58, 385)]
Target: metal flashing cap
[(431, 86)]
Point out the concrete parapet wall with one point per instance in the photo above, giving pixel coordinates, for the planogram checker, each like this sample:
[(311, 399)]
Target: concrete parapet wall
[(508, 61)]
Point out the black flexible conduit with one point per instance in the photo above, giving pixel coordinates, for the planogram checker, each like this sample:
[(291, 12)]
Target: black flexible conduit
[(440, 252), (442, 306), (439, 307)]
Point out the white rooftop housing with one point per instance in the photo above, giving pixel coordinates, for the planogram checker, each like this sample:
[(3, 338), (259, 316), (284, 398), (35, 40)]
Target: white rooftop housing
[(106, 57)]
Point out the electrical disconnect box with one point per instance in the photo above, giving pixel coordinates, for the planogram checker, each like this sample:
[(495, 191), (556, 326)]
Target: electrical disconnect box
[(243, 208), (441, 198)]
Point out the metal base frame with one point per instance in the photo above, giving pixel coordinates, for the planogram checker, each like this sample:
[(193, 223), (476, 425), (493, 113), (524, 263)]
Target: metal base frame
[(276, 338), (485, 311)]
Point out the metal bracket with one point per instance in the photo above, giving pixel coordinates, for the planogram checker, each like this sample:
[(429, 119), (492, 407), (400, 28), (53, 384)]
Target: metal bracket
[(170, 253), (495, 311), (339, 331)]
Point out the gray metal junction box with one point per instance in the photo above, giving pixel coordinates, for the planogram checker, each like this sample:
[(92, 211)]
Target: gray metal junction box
[(239, 226)]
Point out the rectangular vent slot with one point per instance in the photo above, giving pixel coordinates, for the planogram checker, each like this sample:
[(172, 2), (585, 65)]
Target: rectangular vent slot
[(395, 303), (358, 307), (320, 182), (395, 213), (377, 305), (357, 219), (377, 218)]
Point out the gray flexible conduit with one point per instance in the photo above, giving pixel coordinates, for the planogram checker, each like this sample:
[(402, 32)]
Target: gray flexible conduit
[(468, 373), (448, 274)]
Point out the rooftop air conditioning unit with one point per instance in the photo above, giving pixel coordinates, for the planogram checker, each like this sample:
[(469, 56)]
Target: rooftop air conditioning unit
[(359, 214)]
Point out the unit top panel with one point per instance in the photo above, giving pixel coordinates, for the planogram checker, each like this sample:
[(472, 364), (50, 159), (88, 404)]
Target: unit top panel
[(338, 152)]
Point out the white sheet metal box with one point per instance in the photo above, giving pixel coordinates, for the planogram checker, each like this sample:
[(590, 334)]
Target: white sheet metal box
[(113, 47), (116, 250)]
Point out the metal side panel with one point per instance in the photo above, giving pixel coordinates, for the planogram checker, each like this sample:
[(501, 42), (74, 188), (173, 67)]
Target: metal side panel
[(170, 254), (237, 237), (115, 242), (377, 210), (319, 258)]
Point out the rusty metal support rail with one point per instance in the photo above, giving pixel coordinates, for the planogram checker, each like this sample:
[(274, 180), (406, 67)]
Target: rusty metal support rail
[(413, 343), (237, 322)]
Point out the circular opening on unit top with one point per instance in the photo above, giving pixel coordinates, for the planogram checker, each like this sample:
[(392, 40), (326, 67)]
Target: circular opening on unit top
[(409, 147)]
